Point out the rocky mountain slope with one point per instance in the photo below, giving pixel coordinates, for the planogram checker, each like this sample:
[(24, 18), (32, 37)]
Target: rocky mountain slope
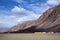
[(49, 21)]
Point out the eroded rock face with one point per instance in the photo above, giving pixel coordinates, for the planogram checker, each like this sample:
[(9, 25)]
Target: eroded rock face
[(48, 22)]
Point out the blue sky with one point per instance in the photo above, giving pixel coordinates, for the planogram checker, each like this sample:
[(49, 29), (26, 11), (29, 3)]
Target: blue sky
[(13, 12)]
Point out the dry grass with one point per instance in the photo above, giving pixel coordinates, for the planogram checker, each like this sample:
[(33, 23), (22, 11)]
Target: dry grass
[(26, 36)]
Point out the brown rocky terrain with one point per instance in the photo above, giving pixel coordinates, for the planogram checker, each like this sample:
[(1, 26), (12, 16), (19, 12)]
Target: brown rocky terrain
[(49, 21)]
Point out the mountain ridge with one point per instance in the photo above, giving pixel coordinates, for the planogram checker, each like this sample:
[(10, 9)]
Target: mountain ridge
[(49, 21)]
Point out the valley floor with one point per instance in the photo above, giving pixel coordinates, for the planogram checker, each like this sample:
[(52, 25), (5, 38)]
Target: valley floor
[(30, 36)]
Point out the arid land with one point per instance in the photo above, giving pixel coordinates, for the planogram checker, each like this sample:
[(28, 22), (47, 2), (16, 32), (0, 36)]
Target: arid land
[(30, 36)]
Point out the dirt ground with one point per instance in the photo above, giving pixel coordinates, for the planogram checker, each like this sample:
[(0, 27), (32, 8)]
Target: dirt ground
[(30, 36)]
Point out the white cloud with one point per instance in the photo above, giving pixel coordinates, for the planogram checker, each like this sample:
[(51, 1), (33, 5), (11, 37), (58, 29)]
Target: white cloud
[(39, 9), (21, 11), (44, 6), (29, 17), (21, 1), (8, 21), (53, 2), (16, 9)]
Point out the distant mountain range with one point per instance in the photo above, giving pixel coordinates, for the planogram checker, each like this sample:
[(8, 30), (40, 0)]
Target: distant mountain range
[(49, 21), (3, 29)]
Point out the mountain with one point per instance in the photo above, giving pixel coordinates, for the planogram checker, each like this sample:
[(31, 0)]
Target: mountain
[(3, 29), (49, 21)]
